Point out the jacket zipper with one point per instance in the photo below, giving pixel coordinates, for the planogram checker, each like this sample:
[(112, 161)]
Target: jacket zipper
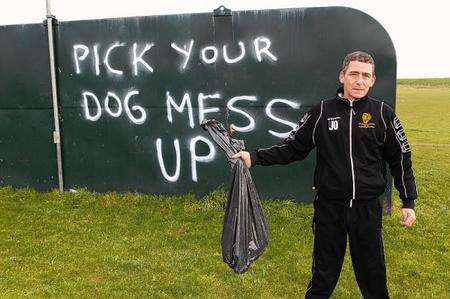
[(351, 153)]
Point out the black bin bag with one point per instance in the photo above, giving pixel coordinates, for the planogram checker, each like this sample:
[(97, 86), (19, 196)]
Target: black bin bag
[(245, 232)]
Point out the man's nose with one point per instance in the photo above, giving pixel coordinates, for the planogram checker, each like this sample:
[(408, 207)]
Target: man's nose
[(360, 80)]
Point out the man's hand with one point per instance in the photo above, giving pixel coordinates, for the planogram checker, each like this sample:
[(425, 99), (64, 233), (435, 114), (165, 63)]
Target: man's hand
[(408, 217), (244, 156)]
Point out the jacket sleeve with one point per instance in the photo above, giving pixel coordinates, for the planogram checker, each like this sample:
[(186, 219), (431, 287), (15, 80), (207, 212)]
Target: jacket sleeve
[(295, 147), (397, 153)]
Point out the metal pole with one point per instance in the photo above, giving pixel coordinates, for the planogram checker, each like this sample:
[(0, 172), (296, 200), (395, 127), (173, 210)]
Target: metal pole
[(56, 132)]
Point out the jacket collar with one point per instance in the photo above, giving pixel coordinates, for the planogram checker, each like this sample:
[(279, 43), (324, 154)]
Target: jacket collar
[(340, 97)]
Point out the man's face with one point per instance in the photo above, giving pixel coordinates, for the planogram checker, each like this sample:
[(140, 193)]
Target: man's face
[(357, 79)]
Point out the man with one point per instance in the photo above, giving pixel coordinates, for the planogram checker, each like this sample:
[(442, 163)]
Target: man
[(354, 135)]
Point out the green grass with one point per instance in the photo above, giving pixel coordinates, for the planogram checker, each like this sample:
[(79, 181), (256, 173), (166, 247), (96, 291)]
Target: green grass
[(132, 245), (430, 82)]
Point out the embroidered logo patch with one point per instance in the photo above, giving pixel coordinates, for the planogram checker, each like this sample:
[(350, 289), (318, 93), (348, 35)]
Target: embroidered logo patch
[(366, 124)]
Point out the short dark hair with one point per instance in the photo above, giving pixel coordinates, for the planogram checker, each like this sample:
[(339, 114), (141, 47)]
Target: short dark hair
[(358, 56)]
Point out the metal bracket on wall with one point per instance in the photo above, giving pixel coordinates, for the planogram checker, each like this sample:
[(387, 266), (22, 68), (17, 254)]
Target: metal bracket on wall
[(222, 11), (56, 137), (54, 20)]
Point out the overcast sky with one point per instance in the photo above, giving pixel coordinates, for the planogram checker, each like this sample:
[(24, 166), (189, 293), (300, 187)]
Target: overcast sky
[(420, 30)]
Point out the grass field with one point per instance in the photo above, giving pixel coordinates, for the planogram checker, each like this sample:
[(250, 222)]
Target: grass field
[(132, 245)]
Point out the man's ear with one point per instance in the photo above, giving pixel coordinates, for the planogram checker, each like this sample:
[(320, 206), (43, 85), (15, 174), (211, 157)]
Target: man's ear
[(341, 77)]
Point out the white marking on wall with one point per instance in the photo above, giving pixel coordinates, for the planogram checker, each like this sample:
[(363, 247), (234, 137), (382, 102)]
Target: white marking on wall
[(138, 58), (176, 175), (185, 51), (201, 105), (78, 58), (119, 104), (195, 158), (170, 102), (230, 106), (96, 60), (263, 50), (106, 60), (135, 120), (211, 59), (87, 113), (236, 59), (280, 120)]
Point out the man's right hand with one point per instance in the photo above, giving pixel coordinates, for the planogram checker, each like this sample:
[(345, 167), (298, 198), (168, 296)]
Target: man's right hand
[(244, 156), (408, 217)]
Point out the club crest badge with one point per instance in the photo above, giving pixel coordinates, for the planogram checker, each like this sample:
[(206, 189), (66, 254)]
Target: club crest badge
[(366, 124)]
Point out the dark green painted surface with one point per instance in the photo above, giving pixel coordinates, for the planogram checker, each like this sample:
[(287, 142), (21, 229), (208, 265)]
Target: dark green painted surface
[(116, 154), (24, 68), (27, 152)]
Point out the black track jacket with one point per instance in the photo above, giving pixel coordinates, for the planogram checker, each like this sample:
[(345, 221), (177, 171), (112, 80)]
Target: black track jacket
[(353, 140)]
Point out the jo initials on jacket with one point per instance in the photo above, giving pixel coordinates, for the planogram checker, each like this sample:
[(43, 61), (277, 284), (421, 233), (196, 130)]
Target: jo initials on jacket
[(333, 123)]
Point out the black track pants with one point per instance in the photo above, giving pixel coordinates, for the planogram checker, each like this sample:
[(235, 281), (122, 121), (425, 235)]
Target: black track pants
[(362, 223)]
